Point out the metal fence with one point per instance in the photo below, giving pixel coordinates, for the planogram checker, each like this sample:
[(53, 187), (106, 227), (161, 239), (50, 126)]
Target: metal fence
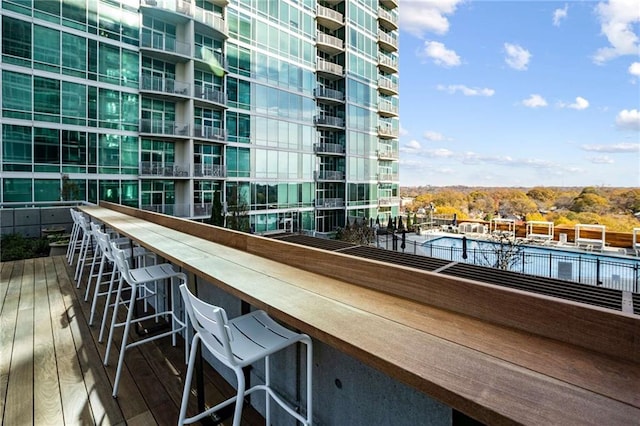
[(587, 268)]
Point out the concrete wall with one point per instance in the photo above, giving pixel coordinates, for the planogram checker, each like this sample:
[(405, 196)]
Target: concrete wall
[(30, 221)]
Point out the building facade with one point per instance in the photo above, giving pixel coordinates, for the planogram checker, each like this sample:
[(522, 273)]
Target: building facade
[(283, 113)]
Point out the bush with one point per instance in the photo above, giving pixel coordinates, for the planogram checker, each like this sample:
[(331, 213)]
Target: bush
[(17, 247)]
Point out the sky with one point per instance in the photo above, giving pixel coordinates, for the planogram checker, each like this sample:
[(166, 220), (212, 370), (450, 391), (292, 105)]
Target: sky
[(520, 93)]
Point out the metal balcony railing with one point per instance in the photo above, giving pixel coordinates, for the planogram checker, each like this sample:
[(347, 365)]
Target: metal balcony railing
[(164, 85), (388, 84), (327, 120), (387, 131), (329, 67), (388, 16), (387, 154), (388, 108), (330, 148), (178, 210), (330, 202), (164, 43), (329, 40), (209, 132), (154, 168), (388, 177), (388, 62), (388, 39), (161, 127), (388, 201), (329, 175), (209, 170), (323, 92), (213, 95), (211, 19), (325, 12)]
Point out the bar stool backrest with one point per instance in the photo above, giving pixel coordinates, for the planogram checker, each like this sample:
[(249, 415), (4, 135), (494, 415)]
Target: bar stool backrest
[(104, 242), (122, 263), (211, 323)]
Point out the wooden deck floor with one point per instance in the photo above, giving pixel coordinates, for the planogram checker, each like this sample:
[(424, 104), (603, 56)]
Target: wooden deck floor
[(51, 368)]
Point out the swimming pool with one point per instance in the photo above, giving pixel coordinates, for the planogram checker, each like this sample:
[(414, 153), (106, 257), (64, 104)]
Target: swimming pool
[(619, 272)]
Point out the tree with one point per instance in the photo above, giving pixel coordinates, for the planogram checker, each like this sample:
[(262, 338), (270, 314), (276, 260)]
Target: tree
[(237, 212), (505, 252), (217, 215), (589, 201), (69, 189), (357, 233)]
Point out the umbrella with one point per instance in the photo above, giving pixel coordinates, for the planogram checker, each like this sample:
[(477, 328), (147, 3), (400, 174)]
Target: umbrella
[(378, 221), (400, 224), (454, 222), (464, 247), (404, 240)]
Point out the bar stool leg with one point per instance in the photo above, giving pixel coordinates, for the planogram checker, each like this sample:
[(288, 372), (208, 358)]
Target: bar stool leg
[(96, 290), (187, 380), (107, 304), (123, 346)]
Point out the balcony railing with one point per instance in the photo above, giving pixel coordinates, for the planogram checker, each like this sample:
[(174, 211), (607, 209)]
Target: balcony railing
[(329, 67), (178, 210), (327, 120), (164, 43), (390, 4), (164, 85), (388, 201), (330, 148), (329, 175), (387, 84), (160, 127), (325, 13), (387, 108), (330, 203), (209, 132), (210, 170), (387, 154), (389, 63), (209, 94), (202, 209), (323, 92), (387, 132), (334, 43), (388, 177), (211, 19), (388, 40), (389, 17), (154, 168)]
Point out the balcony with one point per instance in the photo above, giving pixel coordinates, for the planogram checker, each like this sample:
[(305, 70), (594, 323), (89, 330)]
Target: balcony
[(329, 203), (387, 41), (211, 20), (328, 121), (210, 170), (328, 148), (387, 109), (389, 4), (387, 19), (177, 210), (152, 168), (163, 128), (329, 175), (387, 154), (387, 86), (209, 133), (164, 85), (182, 7), (164, 44), (329, 95), (329, 69), (388, 201), (211, 95), (328, 43), (387, 132), (388, 64), (388, 177), (329, 18)]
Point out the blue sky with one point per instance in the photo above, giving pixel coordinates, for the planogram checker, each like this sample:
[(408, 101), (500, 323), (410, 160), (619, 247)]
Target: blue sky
[(520, 93)]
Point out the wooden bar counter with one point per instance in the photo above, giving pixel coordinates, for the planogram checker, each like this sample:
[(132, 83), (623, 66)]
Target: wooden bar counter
[(501, 356)]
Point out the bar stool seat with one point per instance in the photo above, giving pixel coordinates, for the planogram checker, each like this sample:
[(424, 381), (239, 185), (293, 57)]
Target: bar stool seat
[(138, 279), (238, 343)]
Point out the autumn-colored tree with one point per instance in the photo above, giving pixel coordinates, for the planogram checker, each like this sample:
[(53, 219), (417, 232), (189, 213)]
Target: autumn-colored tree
[(589, 201), (480, 203)]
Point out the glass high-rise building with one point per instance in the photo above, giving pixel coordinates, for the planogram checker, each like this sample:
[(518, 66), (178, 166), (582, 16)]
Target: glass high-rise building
[(282, 111)]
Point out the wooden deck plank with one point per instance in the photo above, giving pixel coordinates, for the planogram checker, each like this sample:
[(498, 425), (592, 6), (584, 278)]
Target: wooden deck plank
[(19, 408), (11, 281), (75, 400), (46, 388), (104, 408)]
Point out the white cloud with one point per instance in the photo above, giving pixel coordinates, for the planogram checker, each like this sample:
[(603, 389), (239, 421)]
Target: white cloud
[(580, 103), (534, 101), (617, 22), (413, 145), (605, 159), (421, 16), (624, 147), (634, 69), (433, 136), (440, 54), (467, 91), (517, 56), (403, 131), (628, 119), (559, 15)]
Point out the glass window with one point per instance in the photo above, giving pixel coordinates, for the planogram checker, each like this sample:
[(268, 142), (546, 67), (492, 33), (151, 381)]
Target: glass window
[(74, 151), (16, 41), (109, 108), (16, 190), (74, 103), (16, 95), (46, 150), (46, 190), (16, 147), (130, 68), (46, 48), (109, 153), (46, 99), (74, 55), (109, 64)]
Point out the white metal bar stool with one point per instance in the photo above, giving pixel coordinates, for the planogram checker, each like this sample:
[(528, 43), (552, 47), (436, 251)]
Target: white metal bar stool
[(137, 279), (75, 235), (87, 245), (238, 343)]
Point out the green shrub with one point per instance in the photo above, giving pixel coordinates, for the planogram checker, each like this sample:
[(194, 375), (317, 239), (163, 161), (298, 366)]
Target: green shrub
[(17, 247)]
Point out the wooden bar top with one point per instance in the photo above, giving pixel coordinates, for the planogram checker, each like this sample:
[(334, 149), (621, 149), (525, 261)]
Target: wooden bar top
[(479, 352)]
